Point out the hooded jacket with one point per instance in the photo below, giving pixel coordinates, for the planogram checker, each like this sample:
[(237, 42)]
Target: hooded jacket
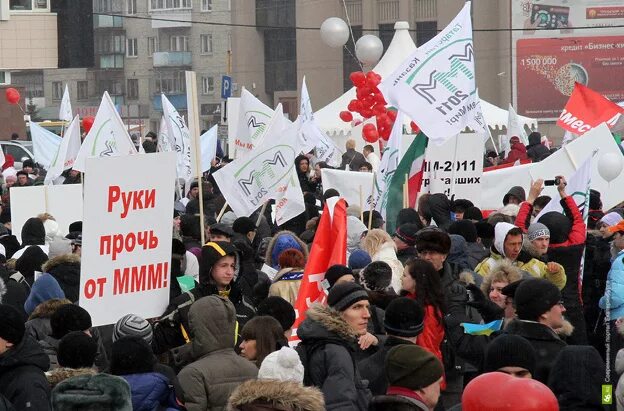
[(217, 371), (517, 152), (59, 375), (331, 366), (99, 392), (269, 395), (286, 284), (12, 292), (33, 232), (22, 378), (355, 228), (151, 391), (38, 325), (387, 254), (615, 279), (66, 270), (536, 150), (280, 242)]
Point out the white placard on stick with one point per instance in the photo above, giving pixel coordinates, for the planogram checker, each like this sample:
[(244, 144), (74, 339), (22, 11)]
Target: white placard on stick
[(126, 243), (348, 184), (63, 202)]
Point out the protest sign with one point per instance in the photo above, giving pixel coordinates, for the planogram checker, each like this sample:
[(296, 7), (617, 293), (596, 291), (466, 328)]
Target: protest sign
[(63, 202), (587, 109), (460, 158), (45, 144), (126, 244), (348, 184)]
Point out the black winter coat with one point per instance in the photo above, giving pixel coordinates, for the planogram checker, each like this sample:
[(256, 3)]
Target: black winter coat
[(22, 378), (373, 368), (331, 367)]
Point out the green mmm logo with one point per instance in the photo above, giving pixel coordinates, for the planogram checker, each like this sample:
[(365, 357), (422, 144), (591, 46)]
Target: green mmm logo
[(256, 123)]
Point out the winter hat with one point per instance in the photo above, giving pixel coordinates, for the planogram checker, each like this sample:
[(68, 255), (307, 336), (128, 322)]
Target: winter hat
[(534, 297), (484, 230), (131, 355), (99, 392), (11, 324), (377, 219), (224, 229), (461, 205), (433, 240), (28, 163), (228, 218), (617, 227), (30, 261), (67, 318), (473, 213), (412, 367), (336, 271), (45, 288), (559, 226), (77, 350), (211, 253), (510, 350), (133, 325), (538, 230), (404, 318), (278, 308), (76, 226), (611, 218), (376, 276), (407, 233), (344, 295), (510, 289), (408, 215), (282, 365), (33, 232), (243, 225), (282, 242), (515, 191), (60, 246), (464, 228), (359, 259)]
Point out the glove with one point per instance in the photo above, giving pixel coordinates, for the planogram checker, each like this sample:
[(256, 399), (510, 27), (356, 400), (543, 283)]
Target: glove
[(456, 297), (488, 309)]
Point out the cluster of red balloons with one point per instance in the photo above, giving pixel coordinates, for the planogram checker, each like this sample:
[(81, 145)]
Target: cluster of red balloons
[(12, 95), (370, 102), (87, 123)]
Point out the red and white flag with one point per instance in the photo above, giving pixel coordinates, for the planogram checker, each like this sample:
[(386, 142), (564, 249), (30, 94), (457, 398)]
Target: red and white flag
[(329, 248), (587, 109)]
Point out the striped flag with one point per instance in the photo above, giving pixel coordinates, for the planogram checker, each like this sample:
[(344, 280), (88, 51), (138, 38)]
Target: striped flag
[(411, 165)]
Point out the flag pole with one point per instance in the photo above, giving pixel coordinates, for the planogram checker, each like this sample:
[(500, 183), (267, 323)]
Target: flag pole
[(406, 192), (361, 204), (262, 210), (222, 211), (193, 125), (370, 209)]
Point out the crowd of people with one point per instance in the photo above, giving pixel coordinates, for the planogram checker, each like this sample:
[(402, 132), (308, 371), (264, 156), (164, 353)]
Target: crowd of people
[(436, 315)]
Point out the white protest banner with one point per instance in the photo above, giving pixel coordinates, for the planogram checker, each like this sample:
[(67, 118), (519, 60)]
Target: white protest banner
[(208, 142), (45, 144), (126, 243), (348, 184), (108, 136), (459, 158), (435, 86), (179, 134), (164, 144), (253, 119), (65, 111), (63, 202), (66, 153)]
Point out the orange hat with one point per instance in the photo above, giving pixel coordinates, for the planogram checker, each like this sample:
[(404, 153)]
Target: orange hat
[(618, 227)]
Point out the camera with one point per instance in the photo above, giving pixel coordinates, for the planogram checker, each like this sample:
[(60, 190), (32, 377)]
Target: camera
[(554, 182)]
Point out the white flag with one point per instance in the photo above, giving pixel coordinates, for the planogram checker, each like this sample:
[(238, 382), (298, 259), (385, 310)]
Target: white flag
[(578, 187), (266, 172), (253, 119), (389, 162), (45, 144), (435, 85), (208, 142), (179, 134), (164, 144), (305, 108), (515, 128), (65, 112), (66, 153), (108, 136)]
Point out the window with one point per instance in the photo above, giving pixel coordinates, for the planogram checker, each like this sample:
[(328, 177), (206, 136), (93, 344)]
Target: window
[(178, 43), (104, 6), (131, 6), (5, 77), (152, 45), (132, 91), (206, 5), (425, 31), (83, 90), (132, 48), (112, 61), (114, 87), (206, 43), (171, 83), (31, 80), (208, 85), (57, 90), (170, 4), (30, 5), (110, 44)]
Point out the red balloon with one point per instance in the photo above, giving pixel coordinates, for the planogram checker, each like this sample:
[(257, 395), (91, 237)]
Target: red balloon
[(511, 393), (372, 79), (346, 116), (358, 78), (370, 133), (360, 93), (87, 123), (352, 105), (385, 133), (392, 114), (379, 109), (379, 99), (12, 95), (368, 101), (414, 127), (366, 112)]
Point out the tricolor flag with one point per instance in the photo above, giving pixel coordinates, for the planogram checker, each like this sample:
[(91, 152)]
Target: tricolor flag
[(387, 167)]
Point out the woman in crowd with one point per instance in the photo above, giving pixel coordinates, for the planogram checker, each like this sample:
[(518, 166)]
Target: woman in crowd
[(380, 246), (261, 336)]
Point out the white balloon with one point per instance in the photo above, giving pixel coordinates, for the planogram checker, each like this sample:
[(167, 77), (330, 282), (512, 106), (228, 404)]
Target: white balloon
[(334, 32), (610, 166), (369, 49)]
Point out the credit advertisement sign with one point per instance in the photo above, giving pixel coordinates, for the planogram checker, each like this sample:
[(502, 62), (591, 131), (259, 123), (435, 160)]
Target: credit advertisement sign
[(556, 43)]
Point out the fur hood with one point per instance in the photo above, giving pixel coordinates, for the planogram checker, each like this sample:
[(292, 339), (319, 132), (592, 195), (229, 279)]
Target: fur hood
[(277, 395), (325, 322), (566, 330), (47, 308), (60, 260), (61, 374)]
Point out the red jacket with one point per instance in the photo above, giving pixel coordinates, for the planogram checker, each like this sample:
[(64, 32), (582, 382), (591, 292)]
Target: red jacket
[(433, 334), (518, 152)]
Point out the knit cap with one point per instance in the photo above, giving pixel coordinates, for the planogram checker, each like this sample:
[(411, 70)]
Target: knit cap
[(534, 297), (359, 259), (77, 350), (611, 218), (243, 225), (404, 318), (376, 276), (407, 233), (344, 295), (412, 367), (11, 324), (133, 325), (510, 350), (537, 230), (334, 273), (67, 318), (282, 365)]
